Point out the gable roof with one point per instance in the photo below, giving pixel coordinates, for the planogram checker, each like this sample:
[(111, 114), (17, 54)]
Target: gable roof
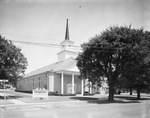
[(55, 67)]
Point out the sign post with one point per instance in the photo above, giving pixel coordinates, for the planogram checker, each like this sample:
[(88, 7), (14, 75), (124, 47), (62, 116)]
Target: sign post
[(3, 80)]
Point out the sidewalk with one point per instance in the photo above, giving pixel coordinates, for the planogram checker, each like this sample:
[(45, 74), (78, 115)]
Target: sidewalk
[(21, 106), (17, 102)]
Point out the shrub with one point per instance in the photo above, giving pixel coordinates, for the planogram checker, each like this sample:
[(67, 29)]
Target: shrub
[(88, 94), (51, 93)]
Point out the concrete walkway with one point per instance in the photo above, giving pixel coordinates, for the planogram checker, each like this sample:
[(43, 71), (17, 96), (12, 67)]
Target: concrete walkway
[(17, 102), (14, 101)]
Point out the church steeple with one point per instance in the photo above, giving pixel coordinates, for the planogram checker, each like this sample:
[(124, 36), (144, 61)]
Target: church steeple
[(66, 47), (66, 44), (67, 31)]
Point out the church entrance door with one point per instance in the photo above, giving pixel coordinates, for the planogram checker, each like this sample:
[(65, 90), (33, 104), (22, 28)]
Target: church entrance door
[(69, 88)]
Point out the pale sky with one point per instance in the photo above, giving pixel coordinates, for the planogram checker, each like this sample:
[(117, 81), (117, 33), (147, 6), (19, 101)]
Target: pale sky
[(44, 21)]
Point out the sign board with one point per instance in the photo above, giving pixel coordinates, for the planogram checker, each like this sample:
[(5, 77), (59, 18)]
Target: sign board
[(41, 93)]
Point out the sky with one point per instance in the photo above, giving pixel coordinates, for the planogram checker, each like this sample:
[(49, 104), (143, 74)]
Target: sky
[(44, 21)]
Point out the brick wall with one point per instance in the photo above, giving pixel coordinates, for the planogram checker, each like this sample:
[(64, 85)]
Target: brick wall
[(33, 82)]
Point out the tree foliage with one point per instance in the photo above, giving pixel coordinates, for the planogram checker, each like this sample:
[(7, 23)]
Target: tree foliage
[(112, 54), (12, 61)]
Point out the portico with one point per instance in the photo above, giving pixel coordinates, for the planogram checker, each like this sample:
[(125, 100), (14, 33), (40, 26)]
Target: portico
[(71, 82)]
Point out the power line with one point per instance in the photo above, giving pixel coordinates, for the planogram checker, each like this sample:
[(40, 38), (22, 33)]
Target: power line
[(72, 47), (38, 44), (46, 44), (57, 45), (28, 36)]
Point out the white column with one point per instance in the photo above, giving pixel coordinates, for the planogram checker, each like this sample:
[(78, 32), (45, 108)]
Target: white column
[(51, 83), (73, 91), (82, 88), (90, 87), (86, 85), (62, 83)]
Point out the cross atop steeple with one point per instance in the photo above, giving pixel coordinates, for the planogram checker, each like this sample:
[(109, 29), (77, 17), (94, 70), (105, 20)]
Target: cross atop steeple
[(67, 31)]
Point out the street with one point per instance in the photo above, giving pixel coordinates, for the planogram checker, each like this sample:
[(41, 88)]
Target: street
[(132, 110)]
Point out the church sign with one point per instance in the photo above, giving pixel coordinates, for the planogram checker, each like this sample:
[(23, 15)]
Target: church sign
[(41, 93)]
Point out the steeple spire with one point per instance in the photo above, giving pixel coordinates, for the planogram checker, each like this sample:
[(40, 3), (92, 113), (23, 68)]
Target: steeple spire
[(66, 50), (67, 31)]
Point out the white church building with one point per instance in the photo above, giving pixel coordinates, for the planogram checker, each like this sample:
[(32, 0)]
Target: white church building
[(62, 77)]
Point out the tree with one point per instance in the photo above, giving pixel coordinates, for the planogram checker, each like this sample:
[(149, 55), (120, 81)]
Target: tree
[(109, 54), (137, 70), (12, 61), (136, 76)]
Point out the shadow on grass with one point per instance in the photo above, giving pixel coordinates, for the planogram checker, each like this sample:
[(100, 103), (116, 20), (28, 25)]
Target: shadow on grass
[(10, 97), (103, 100), (131, 98)]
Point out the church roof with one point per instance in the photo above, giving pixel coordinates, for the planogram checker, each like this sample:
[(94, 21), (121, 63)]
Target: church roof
[(66, 65), (69, 51)]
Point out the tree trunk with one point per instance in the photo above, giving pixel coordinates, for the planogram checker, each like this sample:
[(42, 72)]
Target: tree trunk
[(130, 91), (111, 94), (138, 93)]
